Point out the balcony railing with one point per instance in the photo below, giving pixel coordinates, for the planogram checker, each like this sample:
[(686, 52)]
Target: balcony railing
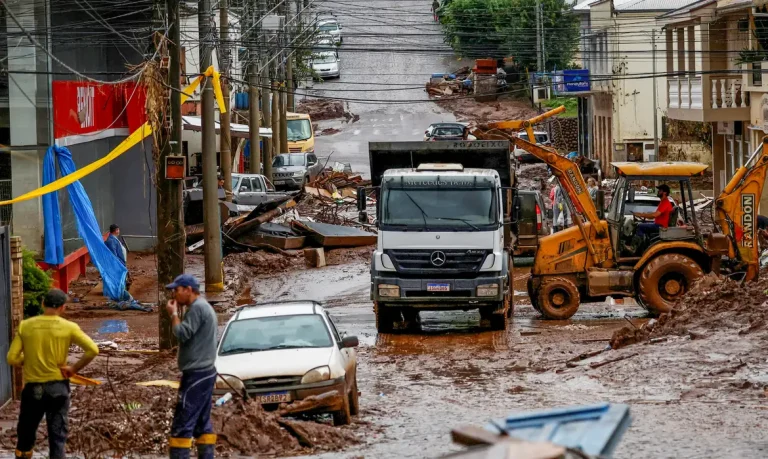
[(727, 93), (721, 92)]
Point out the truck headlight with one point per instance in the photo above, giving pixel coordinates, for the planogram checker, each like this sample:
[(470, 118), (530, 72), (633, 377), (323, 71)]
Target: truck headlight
[(490, 259), (228, 382), (389, 290), (488, 290), (387, 262), (298, 174), (316, 375)]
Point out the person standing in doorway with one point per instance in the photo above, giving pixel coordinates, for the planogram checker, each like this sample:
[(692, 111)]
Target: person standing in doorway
[(197, 354), (41, 347), (435, 7)]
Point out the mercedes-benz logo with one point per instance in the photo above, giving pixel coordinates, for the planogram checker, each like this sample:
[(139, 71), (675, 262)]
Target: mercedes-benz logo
[(437, 258)]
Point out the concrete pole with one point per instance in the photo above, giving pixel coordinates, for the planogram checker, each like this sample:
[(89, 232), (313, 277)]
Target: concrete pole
[(539, 60), (253, 91), (276, 113), (225, 139), (266, 113), (170, 248), (214, 272)]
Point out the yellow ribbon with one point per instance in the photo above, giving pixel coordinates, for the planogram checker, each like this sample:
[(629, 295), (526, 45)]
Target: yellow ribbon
[(129, 142)]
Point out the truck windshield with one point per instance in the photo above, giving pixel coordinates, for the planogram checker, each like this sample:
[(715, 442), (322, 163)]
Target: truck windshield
[(299, 130), (407, 208)]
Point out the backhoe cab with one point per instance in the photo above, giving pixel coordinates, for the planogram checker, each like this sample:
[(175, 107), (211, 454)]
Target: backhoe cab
[(598, 257)]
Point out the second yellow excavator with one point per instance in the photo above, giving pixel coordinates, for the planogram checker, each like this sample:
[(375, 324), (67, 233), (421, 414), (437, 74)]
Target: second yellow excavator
[(595, 257)]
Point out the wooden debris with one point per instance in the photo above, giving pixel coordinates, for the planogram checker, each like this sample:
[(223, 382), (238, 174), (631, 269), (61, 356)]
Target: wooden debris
[(315, 257)]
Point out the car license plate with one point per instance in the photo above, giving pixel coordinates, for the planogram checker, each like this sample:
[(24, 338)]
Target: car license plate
[(279, 182), (273, 397), (438, 287)]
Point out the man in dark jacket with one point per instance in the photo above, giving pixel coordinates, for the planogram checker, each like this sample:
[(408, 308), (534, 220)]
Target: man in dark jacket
[(197, 355)]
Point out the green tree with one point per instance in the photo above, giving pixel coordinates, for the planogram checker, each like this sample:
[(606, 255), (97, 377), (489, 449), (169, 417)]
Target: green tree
[(503, 28), (36, 284)]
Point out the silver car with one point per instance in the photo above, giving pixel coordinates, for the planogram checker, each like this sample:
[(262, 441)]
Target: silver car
[(294, 170)]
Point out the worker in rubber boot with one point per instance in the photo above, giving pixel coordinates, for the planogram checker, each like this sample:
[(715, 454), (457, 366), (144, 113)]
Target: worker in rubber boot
[(41, 347), (197, 353)]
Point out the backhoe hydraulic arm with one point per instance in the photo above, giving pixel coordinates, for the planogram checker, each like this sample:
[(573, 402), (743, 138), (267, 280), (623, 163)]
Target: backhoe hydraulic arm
[(736, 209), (564, 169)]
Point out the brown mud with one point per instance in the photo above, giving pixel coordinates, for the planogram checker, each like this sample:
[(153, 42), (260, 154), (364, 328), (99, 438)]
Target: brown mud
[(468, 109)]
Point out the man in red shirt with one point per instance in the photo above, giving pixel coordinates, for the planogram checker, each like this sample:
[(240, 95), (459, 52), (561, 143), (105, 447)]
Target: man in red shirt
[(660, 216)]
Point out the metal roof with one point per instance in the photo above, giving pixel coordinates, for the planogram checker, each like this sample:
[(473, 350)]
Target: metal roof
[(660, 169), (650, 5)]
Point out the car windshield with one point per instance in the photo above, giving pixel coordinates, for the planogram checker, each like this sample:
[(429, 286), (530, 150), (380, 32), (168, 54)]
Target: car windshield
[(432, 204), (299, 130), (234, 182), (329, 27), (449, 131), (275, 332), (289, 160), (325, 58)]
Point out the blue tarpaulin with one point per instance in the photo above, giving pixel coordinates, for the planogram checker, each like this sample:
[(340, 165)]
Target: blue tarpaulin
[(112, 270)]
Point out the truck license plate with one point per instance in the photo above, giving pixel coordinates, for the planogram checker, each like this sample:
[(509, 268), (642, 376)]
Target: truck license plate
[(279, 182), (438, 287), (274, 397)]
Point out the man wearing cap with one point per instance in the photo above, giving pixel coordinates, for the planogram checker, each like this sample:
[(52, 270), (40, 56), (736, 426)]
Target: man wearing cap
[(197, 354), (660, 216), (41, 347)]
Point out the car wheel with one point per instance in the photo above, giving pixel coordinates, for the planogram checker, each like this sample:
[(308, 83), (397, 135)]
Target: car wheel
[(343, 417), (354, 400)]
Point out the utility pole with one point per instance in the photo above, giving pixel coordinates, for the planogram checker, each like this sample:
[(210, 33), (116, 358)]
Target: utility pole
[(170, 221), (655, 103), (276, 126), (253, 90), (290, 56), (214, 272), (283, 101), (539, 60), (266, 112), (543, 38), (225, 139)]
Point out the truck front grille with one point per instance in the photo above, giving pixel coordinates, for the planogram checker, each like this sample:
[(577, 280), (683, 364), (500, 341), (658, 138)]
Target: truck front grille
[(420, 261)]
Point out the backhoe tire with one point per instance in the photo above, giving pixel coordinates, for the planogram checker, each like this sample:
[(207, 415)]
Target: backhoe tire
[(665, 279), (532, 295), (385, 318), (558, 298)]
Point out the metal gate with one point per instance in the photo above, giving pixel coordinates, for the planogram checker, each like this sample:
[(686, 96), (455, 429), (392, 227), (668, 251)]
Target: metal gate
[(6, 384)]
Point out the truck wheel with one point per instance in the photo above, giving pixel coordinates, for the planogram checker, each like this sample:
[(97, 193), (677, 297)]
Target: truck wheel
[(558, 298), (490, 318), (532, 295), (384, 318), (665, 279)]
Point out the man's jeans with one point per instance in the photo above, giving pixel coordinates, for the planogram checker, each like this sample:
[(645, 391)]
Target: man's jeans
[(647, 229), (52, 400)]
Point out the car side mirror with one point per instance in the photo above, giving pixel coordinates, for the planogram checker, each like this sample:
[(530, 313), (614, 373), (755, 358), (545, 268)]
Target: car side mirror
[(243, 189), (349, 341)]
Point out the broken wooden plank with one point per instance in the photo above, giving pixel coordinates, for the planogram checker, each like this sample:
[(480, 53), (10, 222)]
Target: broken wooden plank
[(335, 235)]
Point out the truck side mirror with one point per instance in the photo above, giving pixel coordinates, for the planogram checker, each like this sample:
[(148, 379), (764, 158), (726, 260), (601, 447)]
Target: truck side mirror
[(361, 205), (600, 203)]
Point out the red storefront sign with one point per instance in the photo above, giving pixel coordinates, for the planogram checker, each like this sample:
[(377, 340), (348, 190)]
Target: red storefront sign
[(85, 107)]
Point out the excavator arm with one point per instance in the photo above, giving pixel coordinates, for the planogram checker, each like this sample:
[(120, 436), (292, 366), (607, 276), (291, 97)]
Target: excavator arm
[(565, 170), (736, 210)]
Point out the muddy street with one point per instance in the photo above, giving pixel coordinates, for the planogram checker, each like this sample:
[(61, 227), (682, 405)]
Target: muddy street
[(416, 387), (382, 85)]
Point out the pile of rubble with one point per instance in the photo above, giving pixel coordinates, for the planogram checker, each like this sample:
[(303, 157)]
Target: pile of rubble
[(122, 419), (714, 304), (326, 109), (450, 84)]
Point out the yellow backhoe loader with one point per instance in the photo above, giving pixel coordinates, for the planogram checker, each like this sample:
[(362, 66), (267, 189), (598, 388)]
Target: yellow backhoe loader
[(594, 258)]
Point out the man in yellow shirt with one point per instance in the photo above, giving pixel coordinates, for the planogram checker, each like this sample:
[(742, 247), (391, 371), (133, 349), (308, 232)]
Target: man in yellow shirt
[(41, 347)]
